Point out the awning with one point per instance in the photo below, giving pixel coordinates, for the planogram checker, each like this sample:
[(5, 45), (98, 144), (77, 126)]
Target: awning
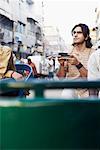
[(5, 13), (32, 19)]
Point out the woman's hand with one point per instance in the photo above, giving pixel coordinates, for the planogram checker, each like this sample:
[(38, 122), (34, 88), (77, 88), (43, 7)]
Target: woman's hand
[(63, 62), (73, 60), (63, 67)]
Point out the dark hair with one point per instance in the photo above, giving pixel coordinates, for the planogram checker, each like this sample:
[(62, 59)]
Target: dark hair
[(99, 46), (86, 33), (29, 59)]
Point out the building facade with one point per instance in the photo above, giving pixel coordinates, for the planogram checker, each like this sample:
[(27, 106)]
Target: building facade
[(19, 27), (53, 41), (97, 25)]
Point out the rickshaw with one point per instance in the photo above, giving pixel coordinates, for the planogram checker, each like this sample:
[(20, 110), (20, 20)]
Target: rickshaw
[(23, 69)]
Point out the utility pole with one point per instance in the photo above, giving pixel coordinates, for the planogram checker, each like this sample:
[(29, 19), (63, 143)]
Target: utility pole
[(43, 28), (44, 68), (13, 35)]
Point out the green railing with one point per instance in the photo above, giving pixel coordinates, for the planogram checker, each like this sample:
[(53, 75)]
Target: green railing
[(39, 86), (42, 123)]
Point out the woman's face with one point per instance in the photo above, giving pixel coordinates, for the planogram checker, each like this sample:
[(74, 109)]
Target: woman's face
[(78, 37)]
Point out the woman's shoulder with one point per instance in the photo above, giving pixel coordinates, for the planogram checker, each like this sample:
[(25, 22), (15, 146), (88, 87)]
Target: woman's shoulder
[(4, 50), (7, 48)]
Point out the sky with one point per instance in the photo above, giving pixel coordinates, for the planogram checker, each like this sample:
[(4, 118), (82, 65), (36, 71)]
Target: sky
[(64, 14)]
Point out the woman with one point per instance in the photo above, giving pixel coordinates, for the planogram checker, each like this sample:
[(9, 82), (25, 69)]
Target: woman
[(75, 66), (7, 67)]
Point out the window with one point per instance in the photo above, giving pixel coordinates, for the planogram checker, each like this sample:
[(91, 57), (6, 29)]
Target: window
[(20, 27), (6, 23), (30, 26)]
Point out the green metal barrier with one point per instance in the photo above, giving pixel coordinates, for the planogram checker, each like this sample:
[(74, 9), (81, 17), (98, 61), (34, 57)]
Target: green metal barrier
[(49, 124), (39, 86)]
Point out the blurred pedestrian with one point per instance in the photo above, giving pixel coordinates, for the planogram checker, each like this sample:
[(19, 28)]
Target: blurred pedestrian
[(18, 60), (33, 67), (75, 66), (50, 66)]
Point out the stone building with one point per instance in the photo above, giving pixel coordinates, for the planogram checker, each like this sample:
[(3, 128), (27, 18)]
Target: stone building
[(19, 27)]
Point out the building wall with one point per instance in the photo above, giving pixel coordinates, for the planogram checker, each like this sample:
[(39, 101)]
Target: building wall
[(54, 42), (25, 26), (98, 23)]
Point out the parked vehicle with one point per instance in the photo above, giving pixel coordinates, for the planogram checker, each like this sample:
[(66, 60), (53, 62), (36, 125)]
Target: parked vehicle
[(21, 68)]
